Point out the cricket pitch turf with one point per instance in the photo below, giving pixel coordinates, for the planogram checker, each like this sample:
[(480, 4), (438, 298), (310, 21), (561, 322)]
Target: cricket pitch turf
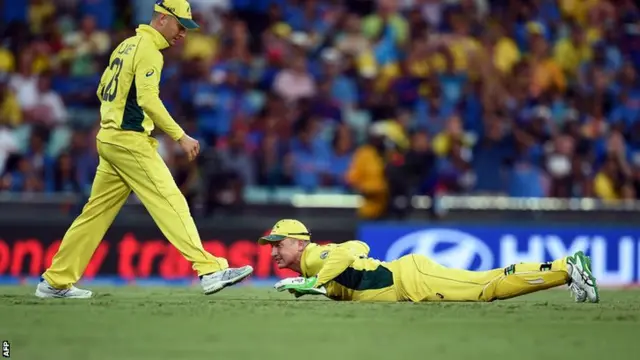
[(259, 323)]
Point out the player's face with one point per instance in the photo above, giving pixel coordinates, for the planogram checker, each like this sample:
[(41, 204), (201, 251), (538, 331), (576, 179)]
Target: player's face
[(172, 30), (178, 31), (286, 253)]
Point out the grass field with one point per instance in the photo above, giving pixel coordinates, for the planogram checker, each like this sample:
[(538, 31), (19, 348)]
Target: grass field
[(249, 323)]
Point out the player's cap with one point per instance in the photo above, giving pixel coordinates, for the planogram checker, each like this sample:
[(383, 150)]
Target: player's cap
[(180, 9), (286, 228)]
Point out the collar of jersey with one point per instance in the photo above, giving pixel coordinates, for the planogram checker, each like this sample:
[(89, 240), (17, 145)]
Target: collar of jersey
[(158, 40), (303, 262)]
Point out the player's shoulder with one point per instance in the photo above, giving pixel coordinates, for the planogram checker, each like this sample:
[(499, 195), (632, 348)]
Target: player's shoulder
[(134, 39), (353, 242), (314, 248), (313, 257), (315, 253), (140, 42), (125, 47), (357, 245), (145, 45), (320, 252)]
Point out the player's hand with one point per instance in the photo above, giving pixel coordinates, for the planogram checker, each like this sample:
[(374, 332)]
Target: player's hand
[(301, 285), (296, 294), (321, 290), (190, 146)]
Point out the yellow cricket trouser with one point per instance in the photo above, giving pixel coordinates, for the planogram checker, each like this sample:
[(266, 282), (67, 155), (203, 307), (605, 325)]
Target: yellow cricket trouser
[(135, 166), (422, 279)]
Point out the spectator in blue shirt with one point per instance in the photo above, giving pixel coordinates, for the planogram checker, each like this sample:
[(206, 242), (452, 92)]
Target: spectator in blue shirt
[(20, 177), (325, 106), (433, 112), (343, 88), (64, 176), (342, 148), (309, 157), (526, 180), (102, 10), (40, 163)]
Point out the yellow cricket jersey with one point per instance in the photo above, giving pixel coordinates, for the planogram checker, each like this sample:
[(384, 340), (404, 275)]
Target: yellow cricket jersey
[(129, 89), (347, 272)]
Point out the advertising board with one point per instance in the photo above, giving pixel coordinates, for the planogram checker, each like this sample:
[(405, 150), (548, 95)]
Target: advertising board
[(130, 252), (615, 251)]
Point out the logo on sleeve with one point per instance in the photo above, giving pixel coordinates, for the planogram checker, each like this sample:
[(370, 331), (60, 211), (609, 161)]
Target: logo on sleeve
[(324, 254), (150, 72)]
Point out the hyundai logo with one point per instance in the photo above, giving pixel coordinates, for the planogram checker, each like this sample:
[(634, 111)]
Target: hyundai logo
[(451, 248)]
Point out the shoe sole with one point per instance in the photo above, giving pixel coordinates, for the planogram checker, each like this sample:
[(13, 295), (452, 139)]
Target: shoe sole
[(223, 284), (43, 295), (579, 299), (585, 261)]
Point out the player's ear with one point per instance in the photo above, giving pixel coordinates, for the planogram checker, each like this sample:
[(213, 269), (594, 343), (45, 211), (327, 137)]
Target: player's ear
[(162, 19), (158, 18), (301, 245)]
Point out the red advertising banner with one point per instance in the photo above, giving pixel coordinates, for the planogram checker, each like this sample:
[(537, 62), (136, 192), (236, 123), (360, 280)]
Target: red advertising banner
[(134, 253)]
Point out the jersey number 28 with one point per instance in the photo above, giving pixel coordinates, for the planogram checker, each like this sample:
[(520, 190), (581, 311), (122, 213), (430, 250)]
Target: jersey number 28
[(109, 93)]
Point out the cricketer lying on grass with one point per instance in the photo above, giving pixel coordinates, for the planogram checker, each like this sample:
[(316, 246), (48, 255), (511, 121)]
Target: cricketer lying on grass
[(345, 272)]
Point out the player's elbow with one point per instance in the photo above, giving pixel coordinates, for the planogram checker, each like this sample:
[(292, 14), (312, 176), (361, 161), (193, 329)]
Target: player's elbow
[(365, 247), (148, 102)]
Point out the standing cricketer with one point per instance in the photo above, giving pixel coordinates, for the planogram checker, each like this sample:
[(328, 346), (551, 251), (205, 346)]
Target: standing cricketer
[(130, 107), (345, 272)]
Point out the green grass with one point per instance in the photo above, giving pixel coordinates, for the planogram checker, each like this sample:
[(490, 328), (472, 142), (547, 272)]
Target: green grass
[(246, 323)]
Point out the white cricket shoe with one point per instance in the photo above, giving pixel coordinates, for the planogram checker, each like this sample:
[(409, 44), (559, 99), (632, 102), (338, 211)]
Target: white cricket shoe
[(45, 291), (582, 278), (578, 294), (212, 283)]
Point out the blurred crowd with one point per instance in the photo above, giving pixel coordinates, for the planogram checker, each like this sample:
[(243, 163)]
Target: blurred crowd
[(386, 98)]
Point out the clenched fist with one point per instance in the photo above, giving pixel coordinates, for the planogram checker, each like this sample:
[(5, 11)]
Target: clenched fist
[(190, 146)]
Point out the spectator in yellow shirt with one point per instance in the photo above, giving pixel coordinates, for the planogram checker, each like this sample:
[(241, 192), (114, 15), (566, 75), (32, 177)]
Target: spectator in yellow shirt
[(200, 45), (387, 13), (453, 132), (10, 113), (578, 10), (608, 182), (40, 11), (462, 45), (366, 175), (7, 61), (502, 50), (85, 44), (545, 71), (571, 52)]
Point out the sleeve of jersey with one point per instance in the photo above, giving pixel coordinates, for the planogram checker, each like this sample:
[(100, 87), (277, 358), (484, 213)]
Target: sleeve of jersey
[(359, 248), (337, 261), (148, 68)]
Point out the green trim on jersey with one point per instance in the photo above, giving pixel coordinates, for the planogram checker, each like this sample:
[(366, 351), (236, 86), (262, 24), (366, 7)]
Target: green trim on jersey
[(359, 280), (133, 115)]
